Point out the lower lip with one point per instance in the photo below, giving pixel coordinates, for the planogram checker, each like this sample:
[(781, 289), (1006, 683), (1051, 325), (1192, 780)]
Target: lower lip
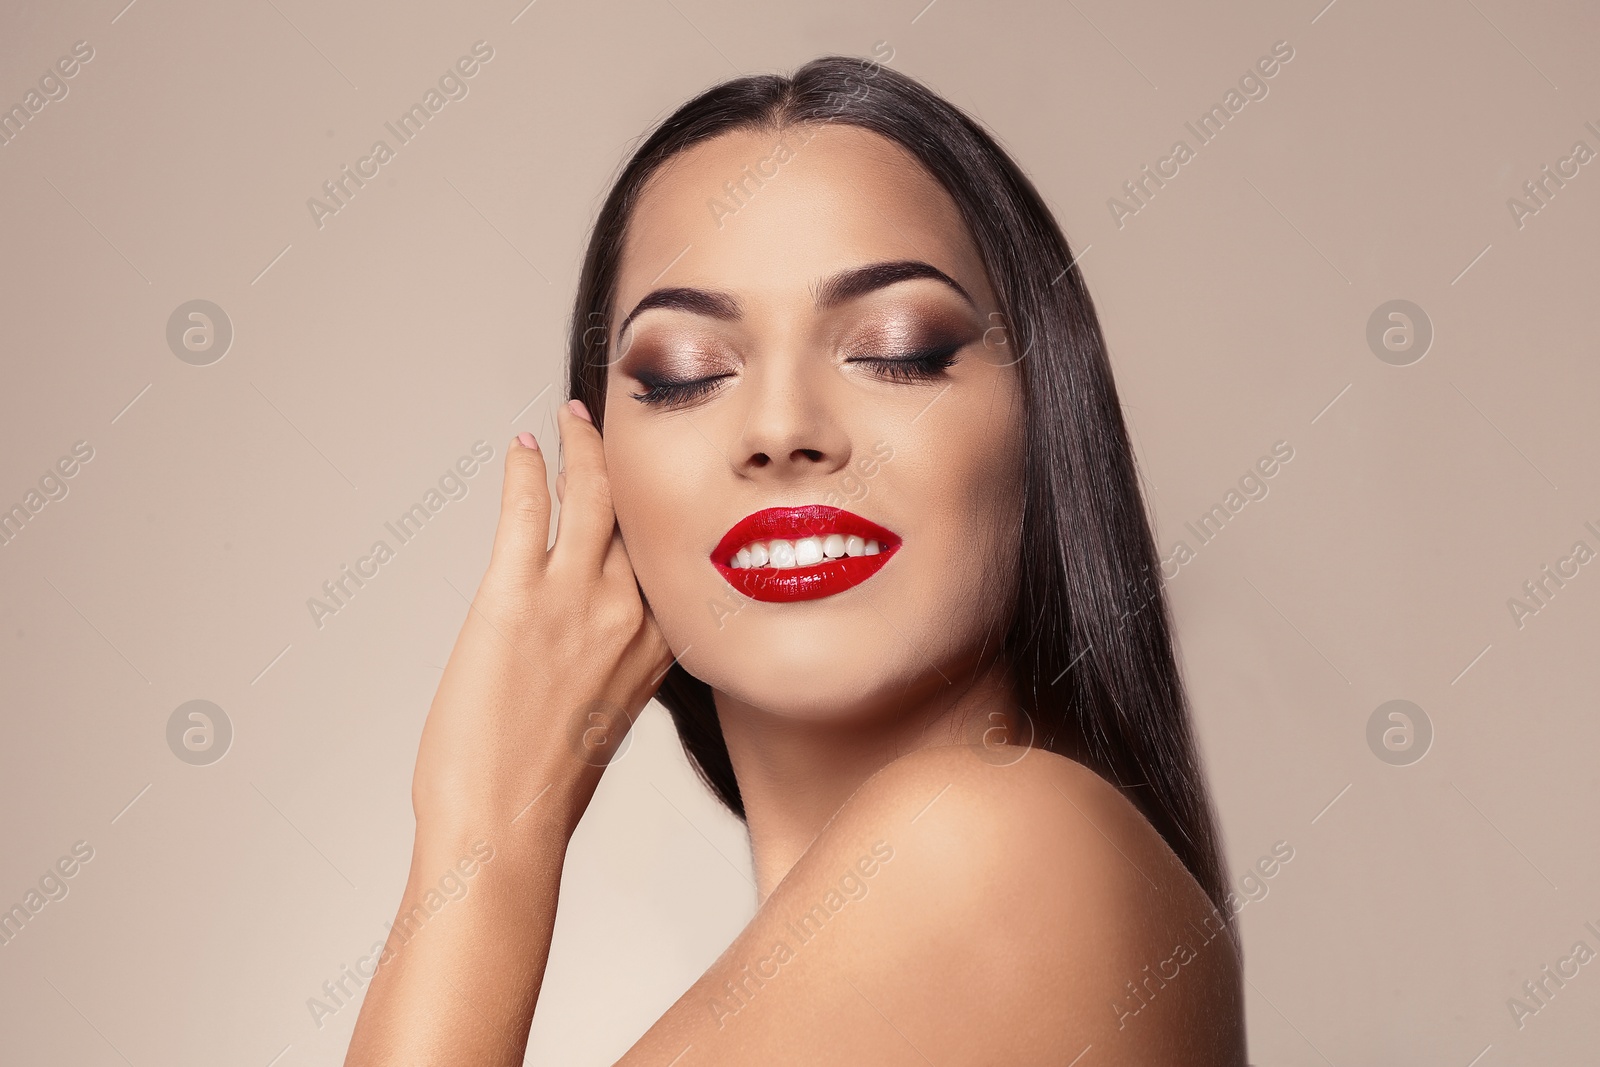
[(804, 583)]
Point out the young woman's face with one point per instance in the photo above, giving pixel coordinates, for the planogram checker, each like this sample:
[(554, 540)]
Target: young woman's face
[(813, 424)]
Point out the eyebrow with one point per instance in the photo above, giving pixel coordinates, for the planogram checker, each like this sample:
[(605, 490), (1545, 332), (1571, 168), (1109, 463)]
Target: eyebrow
[(832, 291)]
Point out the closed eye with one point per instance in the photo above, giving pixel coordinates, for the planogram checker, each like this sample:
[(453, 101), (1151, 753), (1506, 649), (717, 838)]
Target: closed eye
[(924, 366), (675, 392)]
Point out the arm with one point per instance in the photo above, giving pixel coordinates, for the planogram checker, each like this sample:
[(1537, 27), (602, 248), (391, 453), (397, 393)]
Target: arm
[(459, 984), (556, 658)]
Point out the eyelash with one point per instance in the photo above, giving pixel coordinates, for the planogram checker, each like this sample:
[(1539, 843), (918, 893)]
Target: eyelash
[(923, 366), (916, 367), (670, 393)]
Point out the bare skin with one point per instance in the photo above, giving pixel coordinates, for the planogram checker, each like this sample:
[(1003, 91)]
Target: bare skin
[(925, 895)]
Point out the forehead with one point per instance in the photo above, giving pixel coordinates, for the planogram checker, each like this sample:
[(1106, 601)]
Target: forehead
[(765, 213)]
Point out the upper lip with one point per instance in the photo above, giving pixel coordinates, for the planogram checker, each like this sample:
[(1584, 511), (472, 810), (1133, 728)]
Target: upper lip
[(789, 524)]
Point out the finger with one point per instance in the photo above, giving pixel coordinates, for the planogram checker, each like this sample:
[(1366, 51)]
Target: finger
[(523, 532), (583, 532)]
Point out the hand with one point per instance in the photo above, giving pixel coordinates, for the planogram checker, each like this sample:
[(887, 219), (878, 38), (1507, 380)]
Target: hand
[(557, 657)]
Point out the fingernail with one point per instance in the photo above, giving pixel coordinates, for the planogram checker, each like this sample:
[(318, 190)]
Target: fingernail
[(579, 410), (527, 440)]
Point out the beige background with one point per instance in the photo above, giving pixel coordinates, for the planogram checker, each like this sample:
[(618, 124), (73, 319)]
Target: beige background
[(429, 314)]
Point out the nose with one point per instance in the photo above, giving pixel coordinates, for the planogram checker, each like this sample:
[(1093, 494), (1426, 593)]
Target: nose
[(793, 429)]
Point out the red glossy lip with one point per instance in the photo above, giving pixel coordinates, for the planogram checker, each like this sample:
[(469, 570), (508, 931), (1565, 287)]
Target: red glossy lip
[(801, 583)]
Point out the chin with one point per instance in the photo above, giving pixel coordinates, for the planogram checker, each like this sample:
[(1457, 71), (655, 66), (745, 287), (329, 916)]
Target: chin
[(828, 660), (809, 688)]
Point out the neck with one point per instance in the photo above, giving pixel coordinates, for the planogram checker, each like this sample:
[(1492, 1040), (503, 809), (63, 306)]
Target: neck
[(794, 775)]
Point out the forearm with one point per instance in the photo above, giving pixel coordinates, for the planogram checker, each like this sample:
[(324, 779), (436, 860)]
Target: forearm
[(557, 656), (460, 973)]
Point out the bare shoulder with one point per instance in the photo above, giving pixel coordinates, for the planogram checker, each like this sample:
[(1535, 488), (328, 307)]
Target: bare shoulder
[(1002, 800), (1016, 910), (1074, 862)]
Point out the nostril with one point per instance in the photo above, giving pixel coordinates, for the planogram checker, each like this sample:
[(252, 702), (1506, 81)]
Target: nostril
[(760, 459), (810, 453)]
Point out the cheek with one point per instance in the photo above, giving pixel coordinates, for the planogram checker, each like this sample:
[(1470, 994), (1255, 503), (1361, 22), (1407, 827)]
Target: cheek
[(984, 540), (642, 498), (958, 481), (979, 453), (997, 514), (656, 479)]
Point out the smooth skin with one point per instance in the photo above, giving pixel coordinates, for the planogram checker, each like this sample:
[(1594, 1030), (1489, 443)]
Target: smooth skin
[(925, 894)]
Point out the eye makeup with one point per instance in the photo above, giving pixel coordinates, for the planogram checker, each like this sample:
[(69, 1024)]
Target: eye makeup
[(674, 368), (674, 392), (902, 345), (909, 346), (922, 365)]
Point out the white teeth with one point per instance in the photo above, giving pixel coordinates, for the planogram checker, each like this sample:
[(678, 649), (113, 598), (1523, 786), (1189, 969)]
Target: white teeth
[(782, 554), (804, 552)]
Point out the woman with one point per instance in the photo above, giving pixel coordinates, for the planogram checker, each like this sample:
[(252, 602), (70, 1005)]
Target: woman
[(864, 517)]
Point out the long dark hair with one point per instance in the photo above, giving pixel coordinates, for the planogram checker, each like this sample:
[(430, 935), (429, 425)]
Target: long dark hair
[(1090, 638)]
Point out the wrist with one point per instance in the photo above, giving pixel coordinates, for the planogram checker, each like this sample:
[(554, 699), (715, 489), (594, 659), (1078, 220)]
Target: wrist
[(536, 820), (477, 877)]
